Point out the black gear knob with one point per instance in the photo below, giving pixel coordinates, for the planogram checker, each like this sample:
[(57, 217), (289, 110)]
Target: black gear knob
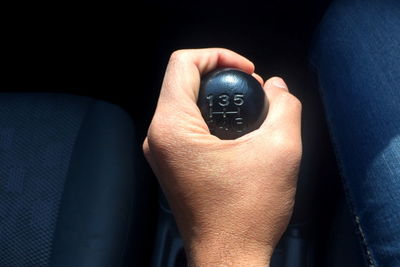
[(232, 103)]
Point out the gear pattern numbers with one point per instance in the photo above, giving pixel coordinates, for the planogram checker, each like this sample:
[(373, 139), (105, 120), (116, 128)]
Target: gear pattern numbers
[(225, 112)]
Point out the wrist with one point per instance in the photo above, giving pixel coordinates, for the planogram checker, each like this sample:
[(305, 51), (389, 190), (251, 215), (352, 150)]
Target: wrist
[(221, 252)]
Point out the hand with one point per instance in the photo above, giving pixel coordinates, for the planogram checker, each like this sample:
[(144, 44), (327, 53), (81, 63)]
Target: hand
[(232, 199)]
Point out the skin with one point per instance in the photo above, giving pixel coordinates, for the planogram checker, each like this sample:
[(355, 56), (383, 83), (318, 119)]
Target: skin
[(232, 199)]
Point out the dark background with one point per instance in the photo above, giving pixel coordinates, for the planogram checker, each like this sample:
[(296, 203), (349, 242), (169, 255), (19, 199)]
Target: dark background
[(118, 53)]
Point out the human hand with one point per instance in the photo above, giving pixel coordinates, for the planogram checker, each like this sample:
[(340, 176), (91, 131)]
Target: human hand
[(232, 199)]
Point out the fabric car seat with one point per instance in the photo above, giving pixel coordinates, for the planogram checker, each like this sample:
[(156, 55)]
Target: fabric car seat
[(67, 168)]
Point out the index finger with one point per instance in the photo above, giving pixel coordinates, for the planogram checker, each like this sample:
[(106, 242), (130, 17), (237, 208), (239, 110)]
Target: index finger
[(185, 68)]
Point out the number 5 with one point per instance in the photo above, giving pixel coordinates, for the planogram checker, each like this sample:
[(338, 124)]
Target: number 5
[(238, 99)]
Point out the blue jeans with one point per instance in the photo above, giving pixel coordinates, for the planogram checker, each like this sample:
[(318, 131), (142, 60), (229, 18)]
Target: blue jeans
[(356, 55)]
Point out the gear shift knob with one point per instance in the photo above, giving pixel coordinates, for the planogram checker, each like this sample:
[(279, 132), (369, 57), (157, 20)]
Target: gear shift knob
[(232, 102)]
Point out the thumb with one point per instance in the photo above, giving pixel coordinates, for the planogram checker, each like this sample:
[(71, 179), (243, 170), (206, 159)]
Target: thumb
[(284, 115)]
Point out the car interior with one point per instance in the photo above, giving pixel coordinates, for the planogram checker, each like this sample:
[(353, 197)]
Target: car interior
[(79, 88)]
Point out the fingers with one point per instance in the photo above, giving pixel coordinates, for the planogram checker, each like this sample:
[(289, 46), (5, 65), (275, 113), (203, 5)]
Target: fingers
[(178, 96), (284, 113), (210, 58), (176, 108), (258, 78), (182, 78)]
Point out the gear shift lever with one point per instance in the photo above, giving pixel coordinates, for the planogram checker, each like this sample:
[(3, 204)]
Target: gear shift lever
[(232, 103)]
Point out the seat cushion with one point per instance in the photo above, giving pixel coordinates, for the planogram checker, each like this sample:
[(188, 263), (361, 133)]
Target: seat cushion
[(66, 171)]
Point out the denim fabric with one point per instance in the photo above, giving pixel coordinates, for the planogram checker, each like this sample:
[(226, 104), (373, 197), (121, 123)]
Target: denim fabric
[(356, 55)]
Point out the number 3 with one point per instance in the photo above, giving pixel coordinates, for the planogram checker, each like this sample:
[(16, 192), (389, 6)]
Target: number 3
[(224, 100)]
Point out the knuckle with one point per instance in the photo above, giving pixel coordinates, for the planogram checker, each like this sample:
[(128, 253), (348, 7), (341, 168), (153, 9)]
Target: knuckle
[(146, 149), (178, 55), (159, 136), (153, 131), (145, 146)]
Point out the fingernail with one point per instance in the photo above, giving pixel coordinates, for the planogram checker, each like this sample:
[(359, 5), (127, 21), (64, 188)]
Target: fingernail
[(279, 83)]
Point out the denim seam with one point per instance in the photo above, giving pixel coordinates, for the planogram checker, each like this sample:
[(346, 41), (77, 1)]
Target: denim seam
[(349, 203), (368, 257), (361, 235)]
